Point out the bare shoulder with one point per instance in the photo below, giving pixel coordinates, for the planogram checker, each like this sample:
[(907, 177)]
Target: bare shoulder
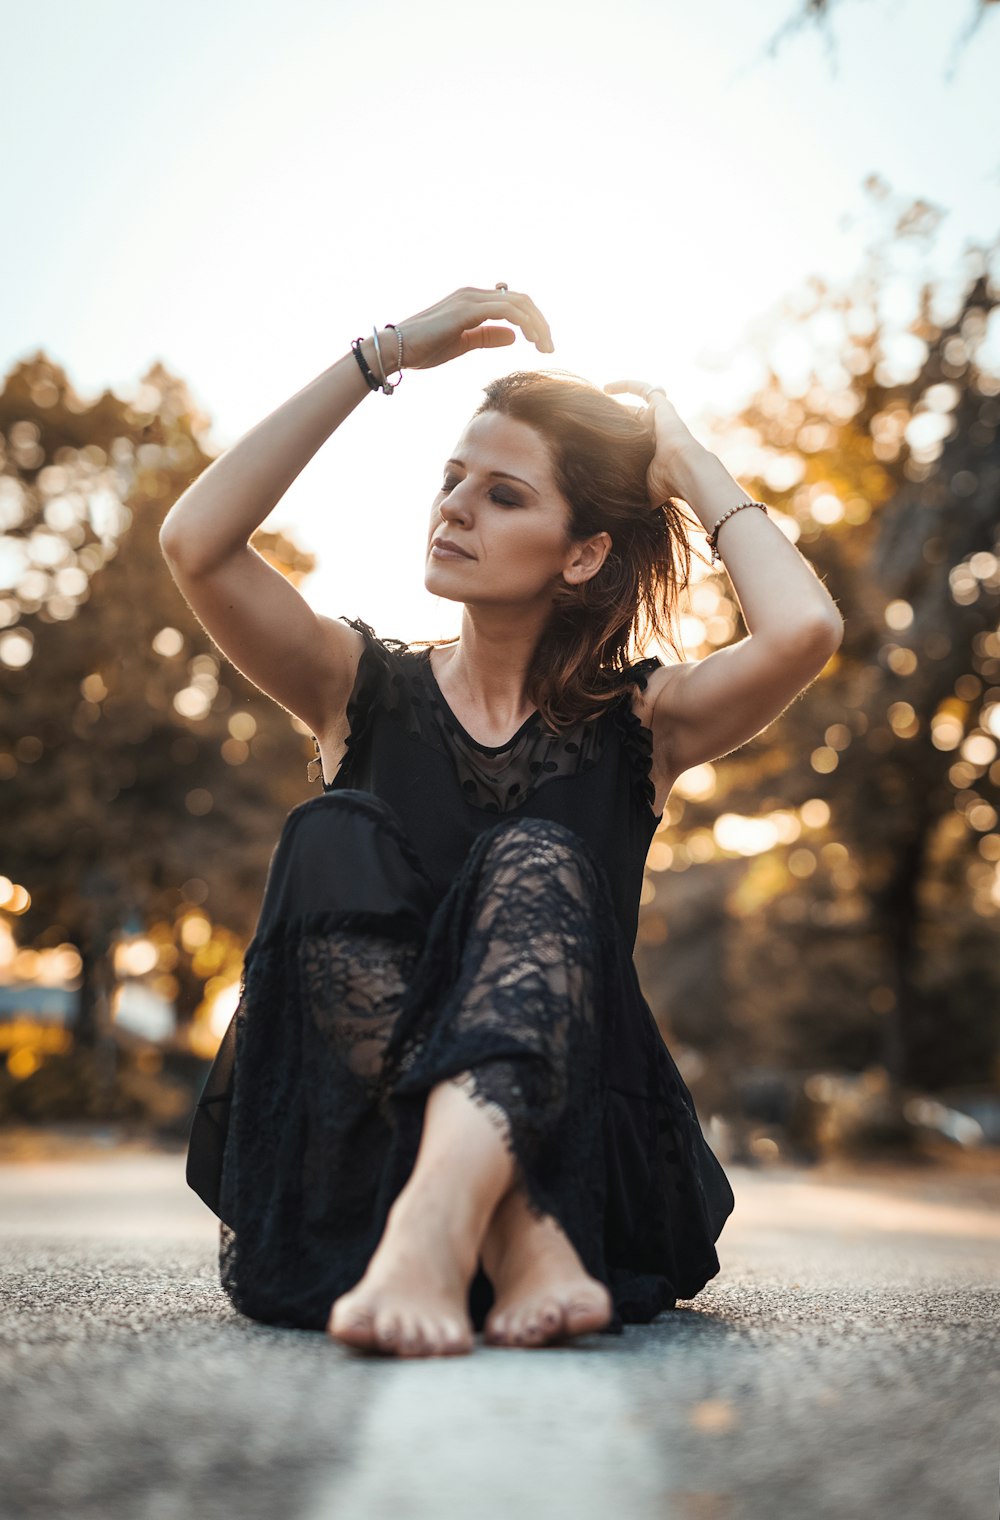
[(652, 699), (700, 710)]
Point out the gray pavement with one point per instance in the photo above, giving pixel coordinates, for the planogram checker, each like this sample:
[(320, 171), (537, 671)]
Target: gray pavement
[(842, 1364)]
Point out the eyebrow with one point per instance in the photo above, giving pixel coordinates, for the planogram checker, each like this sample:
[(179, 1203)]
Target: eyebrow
[(498, 474)]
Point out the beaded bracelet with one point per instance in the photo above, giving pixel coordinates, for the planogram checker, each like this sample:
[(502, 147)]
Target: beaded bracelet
[(379, 382), (713, 537)]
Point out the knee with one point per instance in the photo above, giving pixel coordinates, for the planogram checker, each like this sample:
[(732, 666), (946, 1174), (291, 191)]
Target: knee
[(534, 836), (530, 844), (344, 851), (345, 802), (325, 823)]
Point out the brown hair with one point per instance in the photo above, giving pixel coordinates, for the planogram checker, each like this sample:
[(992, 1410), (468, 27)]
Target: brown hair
[(601, 450)]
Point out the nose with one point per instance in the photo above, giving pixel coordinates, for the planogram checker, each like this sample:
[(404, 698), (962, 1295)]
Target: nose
[(453, 508)]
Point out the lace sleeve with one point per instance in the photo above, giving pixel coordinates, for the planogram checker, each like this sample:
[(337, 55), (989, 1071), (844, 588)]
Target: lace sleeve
[(636, 738), (373, 687)]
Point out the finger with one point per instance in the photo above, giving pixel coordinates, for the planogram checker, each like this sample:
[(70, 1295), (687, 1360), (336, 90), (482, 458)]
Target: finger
[(534, 329), (490, 337), (519, 308), (541, 323), (636, 388)]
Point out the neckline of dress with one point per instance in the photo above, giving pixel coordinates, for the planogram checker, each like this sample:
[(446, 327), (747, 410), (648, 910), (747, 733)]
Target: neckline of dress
[(484, 749)]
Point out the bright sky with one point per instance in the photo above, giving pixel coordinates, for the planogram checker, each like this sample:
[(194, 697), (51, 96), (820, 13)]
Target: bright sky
[(240, 188)]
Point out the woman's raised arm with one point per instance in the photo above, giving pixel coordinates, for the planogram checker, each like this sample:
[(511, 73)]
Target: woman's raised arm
[(703, 709), (305, 661)]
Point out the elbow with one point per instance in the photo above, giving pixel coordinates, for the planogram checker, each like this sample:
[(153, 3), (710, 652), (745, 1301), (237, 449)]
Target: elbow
[(170, 532), (170, 544), (176, 550), (824, 627), (818, 637), (825, 636)]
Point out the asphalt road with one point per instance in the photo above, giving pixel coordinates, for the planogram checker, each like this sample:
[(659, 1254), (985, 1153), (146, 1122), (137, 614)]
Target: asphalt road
[(842, 1364)]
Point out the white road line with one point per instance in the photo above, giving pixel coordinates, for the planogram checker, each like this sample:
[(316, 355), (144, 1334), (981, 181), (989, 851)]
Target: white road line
[(500, 1434)]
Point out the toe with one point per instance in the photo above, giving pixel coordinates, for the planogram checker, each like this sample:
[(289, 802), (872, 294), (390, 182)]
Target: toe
[(410, 1335), (444, 1337), (387, 1330), (533, 1332), (519, 1329), (428, 1335), (456, 1338), (507, 1334), (351, 1323), (588, 1312), (551, 1316), (495, 1328)]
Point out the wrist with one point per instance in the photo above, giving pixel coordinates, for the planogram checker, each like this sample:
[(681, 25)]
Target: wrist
[(702, 480), (389, 348)]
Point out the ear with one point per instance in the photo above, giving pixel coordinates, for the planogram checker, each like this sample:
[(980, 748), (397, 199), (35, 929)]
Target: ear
[(587, 559)]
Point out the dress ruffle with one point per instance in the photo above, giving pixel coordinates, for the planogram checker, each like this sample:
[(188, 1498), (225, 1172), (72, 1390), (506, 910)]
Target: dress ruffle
[(373, 687), (636, 738)]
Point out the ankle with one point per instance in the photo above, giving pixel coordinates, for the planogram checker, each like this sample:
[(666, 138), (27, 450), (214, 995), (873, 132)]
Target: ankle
[(448, 1212), (517, 1237), (506, 1234)]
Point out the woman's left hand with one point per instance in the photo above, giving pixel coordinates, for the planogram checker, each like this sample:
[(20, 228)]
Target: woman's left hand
[(674, 440)]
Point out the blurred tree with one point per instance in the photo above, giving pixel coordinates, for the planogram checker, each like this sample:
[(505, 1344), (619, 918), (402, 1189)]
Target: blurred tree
[(142, 774), (817, 13), (870, 932)]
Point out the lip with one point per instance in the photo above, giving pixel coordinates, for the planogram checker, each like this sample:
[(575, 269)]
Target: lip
[(446, 547)]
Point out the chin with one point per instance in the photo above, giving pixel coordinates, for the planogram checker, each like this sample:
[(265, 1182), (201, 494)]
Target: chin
[(448, 596)]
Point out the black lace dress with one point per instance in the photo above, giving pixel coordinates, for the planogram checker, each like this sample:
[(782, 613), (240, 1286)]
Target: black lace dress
[(445, 907)]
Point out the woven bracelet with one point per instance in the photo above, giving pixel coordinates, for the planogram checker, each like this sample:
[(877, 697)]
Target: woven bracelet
[(373, 383), (713, 537)]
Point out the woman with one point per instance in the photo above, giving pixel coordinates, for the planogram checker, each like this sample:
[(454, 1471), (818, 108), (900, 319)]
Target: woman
[(443, 1104)]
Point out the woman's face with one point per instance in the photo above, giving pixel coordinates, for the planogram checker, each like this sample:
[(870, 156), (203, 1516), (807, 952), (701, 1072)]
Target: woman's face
[(499, 502)]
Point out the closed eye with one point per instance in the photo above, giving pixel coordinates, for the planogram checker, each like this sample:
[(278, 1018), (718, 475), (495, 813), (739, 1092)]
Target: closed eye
[(503, 500)]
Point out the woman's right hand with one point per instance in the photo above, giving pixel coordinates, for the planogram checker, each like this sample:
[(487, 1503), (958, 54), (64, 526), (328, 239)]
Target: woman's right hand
[(454, 326)]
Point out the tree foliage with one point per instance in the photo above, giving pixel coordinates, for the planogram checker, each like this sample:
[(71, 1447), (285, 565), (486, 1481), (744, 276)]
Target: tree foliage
[(145, 779), (870, 934), (817, 13)]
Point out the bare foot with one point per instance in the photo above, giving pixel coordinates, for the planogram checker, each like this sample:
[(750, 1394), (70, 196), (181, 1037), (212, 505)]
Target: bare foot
[(542, 1292), (413, 1298)]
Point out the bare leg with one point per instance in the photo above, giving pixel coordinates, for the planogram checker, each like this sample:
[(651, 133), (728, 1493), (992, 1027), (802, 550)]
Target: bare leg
[(542, 1291), (534, 980), (413, 1298)]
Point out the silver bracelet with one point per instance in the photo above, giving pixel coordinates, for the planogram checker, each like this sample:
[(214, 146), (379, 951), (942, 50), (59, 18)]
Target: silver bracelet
[(381, 367), (713, 537), (385, 387), (399, 357)]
